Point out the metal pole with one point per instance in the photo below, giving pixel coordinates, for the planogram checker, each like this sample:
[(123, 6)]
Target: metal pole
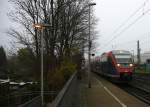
[(42, 100), (133, 55), (89, 55), (138, 52)]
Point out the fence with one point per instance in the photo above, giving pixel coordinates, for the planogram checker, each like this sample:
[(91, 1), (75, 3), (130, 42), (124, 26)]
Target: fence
[(25, 99), (67, 97)]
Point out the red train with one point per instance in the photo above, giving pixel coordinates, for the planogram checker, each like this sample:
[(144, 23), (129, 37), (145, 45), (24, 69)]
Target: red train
[(117, 65)]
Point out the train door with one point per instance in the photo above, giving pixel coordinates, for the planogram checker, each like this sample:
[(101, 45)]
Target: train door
[(111, 67)]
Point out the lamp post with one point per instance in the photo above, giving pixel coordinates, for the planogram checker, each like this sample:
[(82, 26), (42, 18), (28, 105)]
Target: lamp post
[(41, 27), (90, 43)]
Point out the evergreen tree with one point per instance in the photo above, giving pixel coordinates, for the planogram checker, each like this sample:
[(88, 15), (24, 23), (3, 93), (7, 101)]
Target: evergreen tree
[(3, 63)]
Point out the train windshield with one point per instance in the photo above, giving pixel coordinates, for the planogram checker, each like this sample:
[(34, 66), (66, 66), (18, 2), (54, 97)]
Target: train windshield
[(123, 58)]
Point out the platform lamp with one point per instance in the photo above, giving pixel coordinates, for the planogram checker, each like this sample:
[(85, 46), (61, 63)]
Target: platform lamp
[(90, 43), (41, 27)]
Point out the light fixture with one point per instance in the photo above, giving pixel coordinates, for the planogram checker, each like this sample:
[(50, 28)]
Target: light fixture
[(131, 65), (118, 65)]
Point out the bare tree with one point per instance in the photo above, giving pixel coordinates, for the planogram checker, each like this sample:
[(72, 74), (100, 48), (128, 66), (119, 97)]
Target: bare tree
[(67, 34)]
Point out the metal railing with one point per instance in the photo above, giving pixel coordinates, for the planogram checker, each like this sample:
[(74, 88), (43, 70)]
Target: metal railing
[(36, 101), (25, 99), (67, 97), (16, 99)]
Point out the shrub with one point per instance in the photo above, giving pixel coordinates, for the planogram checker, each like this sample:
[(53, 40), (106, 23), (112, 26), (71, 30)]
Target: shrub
[(58, 78)]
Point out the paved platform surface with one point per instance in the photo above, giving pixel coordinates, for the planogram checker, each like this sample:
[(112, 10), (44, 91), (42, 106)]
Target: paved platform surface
[(104, 94)]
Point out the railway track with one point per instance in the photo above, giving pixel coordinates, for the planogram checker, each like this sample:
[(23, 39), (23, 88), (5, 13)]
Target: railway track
[(137, 92), (137, 89)]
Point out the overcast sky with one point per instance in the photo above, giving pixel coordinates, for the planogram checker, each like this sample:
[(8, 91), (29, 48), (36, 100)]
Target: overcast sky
[(111, 14), (5, 23)]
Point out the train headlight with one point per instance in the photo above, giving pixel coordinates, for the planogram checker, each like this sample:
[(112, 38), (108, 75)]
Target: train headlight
[(118, 65), (131, 65)]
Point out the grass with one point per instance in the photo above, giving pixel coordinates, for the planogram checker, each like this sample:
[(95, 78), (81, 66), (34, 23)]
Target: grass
[(142, 71)]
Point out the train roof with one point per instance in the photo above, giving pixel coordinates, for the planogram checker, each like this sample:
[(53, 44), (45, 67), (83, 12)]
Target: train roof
[(120, 52), (115, 52)]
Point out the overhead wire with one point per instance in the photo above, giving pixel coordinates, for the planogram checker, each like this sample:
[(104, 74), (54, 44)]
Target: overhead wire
[(145, 35), (122, 31), (127, 27), (133, 42), (133, 14)]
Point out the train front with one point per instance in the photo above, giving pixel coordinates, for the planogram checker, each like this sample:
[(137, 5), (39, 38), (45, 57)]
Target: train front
[(124, 65)]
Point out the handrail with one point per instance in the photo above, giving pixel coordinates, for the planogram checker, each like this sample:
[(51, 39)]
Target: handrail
[(31, 101), (60, 98)]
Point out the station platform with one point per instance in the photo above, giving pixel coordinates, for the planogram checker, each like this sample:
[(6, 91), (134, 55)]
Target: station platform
[(104, 94)]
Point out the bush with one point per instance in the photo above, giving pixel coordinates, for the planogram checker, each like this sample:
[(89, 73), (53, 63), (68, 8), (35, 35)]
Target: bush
[(59, 77), (68, 68)]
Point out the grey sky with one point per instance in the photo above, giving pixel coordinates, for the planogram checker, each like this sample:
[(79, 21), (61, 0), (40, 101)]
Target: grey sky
[(110, 13), (4, 23)]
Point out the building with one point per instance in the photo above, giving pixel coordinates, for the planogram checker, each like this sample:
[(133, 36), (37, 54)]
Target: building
[(145, 57)]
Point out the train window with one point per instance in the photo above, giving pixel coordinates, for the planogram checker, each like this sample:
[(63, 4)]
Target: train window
[(104, 59), (123, 58), (148, 61)]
